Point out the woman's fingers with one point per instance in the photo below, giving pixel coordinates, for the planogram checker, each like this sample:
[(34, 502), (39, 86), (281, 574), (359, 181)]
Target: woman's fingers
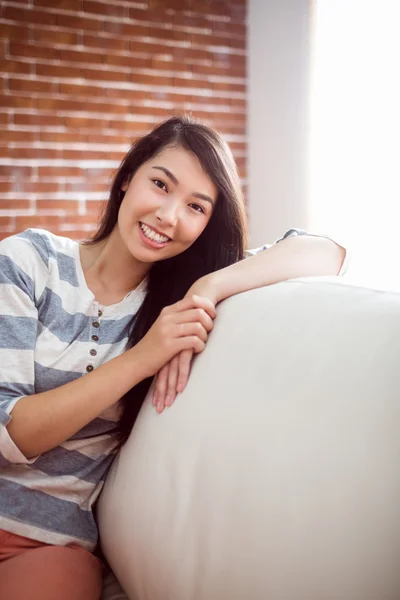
[(175, 379), (195, 314), (193, 302), (160, 386), (172, 380), (190, 329), (185, 360)]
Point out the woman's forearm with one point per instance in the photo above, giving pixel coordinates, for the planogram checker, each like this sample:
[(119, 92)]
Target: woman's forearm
[(300, 256), (42, 421)]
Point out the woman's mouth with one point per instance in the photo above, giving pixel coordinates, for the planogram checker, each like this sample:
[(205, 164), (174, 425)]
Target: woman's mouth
[(151, 237)]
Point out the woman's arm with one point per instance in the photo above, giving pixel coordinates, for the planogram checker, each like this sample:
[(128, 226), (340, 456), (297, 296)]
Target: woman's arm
[(293, 257), (42, 421)]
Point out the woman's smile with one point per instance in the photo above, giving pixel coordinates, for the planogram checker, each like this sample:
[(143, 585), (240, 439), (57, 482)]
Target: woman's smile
[(152, 237)]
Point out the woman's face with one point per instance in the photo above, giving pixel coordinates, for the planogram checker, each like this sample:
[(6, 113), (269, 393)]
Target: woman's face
[(166, 206)]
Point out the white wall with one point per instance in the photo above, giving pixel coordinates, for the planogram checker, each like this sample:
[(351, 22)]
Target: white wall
[(278, 90)]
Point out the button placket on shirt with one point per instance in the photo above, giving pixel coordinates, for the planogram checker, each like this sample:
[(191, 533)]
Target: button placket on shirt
[(95, 338)]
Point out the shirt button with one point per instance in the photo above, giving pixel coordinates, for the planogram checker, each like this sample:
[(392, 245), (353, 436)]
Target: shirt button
[(89, 368), (100, 313), (93, 352), (96, 324), (95, 338)]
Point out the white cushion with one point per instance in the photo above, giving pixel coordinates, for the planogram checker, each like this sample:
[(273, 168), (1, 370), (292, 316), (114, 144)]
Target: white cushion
[(275, 475)]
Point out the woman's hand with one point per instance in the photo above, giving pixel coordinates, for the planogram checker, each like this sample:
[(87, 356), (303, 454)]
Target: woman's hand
[(182, 326), (172, 378)]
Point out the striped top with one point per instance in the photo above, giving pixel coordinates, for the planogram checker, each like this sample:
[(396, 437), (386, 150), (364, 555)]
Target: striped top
[(53, 331)]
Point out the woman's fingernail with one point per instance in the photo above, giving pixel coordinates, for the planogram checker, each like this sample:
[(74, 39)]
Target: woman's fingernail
[(168, 400)]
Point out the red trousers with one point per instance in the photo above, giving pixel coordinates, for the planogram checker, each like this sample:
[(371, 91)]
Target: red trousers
[(31, 570)]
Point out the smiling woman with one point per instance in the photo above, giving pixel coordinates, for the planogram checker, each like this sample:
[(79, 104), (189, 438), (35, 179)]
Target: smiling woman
[(84, 328)]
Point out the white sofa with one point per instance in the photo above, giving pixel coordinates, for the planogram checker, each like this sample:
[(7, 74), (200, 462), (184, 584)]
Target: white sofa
[(276, 474)]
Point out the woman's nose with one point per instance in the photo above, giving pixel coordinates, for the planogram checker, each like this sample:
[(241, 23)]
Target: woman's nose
[(168, 213)]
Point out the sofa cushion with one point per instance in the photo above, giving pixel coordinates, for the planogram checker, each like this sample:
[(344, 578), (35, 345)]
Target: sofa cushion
[(275, 475)]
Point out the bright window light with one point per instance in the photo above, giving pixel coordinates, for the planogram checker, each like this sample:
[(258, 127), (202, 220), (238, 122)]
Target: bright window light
[(354, 177)]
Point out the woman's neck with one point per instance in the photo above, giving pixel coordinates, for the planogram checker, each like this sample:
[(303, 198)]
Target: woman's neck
[(110, 270)]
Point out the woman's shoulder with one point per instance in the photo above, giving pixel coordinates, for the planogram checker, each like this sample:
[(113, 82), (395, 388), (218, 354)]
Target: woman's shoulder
[(293, 232), (37, 245)]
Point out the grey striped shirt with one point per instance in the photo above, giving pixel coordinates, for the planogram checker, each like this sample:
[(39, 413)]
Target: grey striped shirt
[(52, 331)]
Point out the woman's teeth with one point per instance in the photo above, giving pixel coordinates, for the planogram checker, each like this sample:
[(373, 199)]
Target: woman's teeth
[(152, 235)]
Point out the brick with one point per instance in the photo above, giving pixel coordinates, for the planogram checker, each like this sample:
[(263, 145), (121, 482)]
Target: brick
[(191, 54), (13, 101), (63, 137), (231, 9), (171, 65), (67, 207), (32, 85), (102, 92), (5, 222), (15, 204), (15, 171), (12, 135), (77, 73), (56, 172), (39, 187), (78, 22), (81, 104), (128, 29), (230, 28), (33, 51), (41, 221), (14, 32), (105, 43), (82, 57), (219, 71), (27, 15), (99, 8), (4, 118), (38, 120), (15, 66), (151, 79), (72, 5), (6, 186), (229, 87), (78, 234), (104, 154), (131, 62), (95, 206), (80, 219), (33, 153), (171, 35), (172, 4), (215, 40), (151, 48), (76, 123), (52, 36), (184, 20), (192, 82)]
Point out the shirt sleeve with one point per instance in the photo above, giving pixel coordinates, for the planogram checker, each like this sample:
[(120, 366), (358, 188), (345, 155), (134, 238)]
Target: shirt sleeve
[(294, 232), (22, 273)]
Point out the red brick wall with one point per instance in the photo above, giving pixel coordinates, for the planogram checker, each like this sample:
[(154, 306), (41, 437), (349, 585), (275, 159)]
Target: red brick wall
[(80, 79)]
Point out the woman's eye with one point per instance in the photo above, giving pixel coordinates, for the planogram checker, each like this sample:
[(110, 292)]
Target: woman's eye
[(197, 208), (160, 184)]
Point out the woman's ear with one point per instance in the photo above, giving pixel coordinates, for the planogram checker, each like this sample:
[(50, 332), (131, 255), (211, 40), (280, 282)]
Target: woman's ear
[(124, 186)]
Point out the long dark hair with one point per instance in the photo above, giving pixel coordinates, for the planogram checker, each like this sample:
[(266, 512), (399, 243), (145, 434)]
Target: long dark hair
[(221, 243)]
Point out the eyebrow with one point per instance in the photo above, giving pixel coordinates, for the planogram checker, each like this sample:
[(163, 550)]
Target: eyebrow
[(176, 182)]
